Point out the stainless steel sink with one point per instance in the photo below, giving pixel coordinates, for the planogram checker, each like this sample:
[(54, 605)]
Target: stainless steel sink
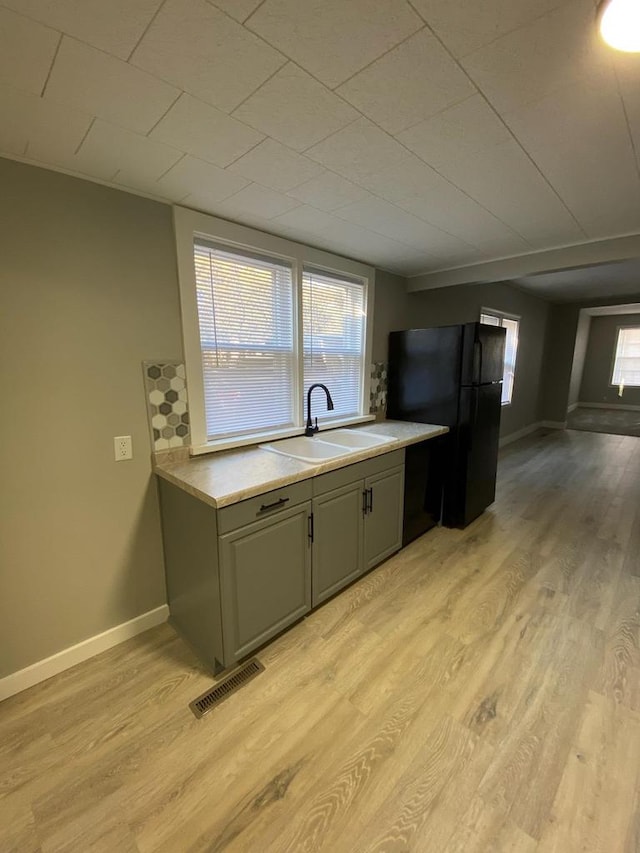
[(332, 444)]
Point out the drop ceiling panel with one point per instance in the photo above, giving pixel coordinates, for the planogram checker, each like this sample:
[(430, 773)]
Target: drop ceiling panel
[(554, 51), (295, 109), (332, 39), (628, 76), (579, 138), (274, 165), (304, 223), (114, 26), (40, 129), (358, 150), (93, 81), (415, 80), (205, 132), (191, 176), (197, 47), (328, 192), (466, 25), (26, 52)]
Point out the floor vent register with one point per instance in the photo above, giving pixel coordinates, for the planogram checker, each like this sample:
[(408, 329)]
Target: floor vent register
[(223, 689)]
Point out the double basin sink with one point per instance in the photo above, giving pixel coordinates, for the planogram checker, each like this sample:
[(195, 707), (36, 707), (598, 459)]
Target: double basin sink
[(332, 444)]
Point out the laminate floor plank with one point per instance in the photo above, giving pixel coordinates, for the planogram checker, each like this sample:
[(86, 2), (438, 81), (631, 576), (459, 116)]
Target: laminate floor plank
[(479, 692)]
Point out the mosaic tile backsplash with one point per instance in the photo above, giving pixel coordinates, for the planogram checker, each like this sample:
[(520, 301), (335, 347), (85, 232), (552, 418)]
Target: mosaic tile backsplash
[(167, 401), (378, 387), (167, 404)]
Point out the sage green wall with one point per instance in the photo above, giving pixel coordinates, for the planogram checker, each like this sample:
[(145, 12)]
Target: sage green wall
[(579, 353), (462, 304), (598, 363), (88, 291), (390, 311)]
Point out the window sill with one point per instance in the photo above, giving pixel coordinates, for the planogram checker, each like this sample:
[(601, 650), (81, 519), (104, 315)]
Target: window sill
[(259, 438)]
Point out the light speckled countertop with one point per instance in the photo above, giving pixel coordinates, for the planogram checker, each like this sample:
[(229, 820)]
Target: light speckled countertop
[(222, 479)]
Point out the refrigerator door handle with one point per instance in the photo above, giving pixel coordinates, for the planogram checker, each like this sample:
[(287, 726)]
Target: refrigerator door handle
[(480, 350)]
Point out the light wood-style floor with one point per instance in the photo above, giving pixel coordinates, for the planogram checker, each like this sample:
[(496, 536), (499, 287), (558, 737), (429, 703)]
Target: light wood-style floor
[(479, 692)]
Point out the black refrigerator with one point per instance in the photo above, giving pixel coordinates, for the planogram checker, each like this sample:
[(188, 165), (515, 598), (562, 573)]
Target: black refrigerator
[(452, 375)]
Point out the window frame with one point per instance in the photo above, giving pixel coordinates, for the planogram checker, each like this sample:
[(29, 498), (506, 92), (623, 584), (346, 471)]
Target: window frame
[(189, 225), (612, 384), (506, 315)]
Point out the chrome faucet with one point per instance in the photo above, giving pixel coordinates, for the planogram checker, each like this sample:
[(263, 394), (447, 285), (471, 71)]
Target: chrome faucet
[(311, 429)]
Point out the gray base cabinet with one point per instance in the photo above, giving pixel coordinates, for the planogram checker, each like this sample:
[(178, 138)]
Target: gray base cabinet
[(239, 575), (265, 576)]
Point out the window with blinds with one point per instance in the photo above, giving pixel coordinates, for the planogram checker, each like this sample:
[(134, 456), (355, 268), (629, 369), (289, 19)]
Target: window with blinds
[(626, 364), (246, 319), (510, 351), (333, 315)]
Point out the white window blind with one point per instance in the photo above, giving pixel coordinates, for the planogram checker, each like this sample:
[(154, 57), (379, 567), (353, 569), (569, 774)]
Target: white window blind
[(333, 310), (246, 318), (626, 365), (510, 350)]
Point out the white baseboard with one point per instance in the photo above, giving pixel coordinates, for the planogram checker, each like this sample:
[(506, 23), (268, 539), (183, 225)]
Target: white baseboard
[(554, 424), (621, 406), (573, 407), (43, 669), (521, 433)]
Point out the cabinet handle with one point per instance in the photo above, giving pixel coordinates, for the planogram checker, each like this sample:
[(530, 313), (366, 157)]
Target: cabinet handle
[(275, 505), (364, 501), (310, 528), (371, 499)]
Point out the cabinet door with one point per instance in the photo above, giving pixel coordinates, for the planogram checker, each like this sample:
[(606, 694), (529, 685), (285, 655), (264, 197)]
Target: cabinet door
[(265, 574), (337, 540), (383, 521)]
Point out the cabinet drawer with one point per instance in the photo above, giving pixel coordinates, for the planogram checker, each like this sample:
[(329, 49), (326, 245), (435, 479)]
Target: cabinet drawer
[(263, 506), (359, 471)]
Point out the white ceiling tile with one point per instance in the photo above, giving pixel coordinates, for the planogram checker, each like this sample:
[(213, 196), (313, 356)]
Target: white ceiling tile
[(358, 150), (554, 51), (356, 242), (415, 80), (26, 52), (579, 139), (109, 149), (257, 201), (456, 133), (203, 51), (97, 83), (385, 218), (329, 192), (303, 223), (330, 38), (195, 177), (466, 25), (628, 75), (295, 109), (136, 184), (115, 26), (204, 131), (41, 129), (273, 165), (238, 9)]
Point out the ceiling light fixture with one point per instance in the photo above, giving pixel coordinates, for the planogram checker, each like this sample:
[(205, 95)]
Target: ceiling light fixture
[(619, 23)]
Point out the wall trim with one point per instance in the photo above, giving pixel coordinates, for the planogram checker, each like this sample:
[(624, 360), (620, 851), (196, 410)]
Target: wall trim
[(521, 433), (554, 424), (622, 406), (572, 407), (46, 668)]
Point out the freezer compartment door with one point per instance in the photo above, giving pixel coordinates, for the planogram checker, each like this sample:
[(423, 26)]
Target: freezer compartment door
[(424, 375), (482, 354), (471, 485)]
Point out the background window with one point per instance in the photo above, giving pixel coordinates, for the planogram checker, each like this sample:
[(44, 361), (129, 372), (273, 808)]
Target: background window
[(333, 310), (246, 320), (510, 351), (626, 364)]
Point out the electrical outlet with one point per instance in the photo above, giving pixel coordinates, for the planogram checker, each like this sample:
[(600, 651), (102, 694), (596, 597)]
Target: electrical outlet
[(122, 447)]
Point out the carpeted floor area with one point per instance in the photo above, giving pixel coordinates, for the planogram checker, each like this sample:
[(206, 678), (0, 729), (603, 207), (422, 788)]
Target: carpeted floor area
[(616, 421)]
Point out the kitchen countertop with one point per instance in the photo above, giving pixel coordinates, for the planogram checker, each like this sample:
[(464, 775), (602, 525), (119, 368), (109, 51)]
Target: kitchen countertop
[(227, 477)]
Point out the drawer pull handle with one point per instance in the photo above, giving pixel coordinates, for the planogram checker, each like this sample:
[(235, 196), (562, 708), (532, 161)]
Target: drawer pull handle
[(275, 505)]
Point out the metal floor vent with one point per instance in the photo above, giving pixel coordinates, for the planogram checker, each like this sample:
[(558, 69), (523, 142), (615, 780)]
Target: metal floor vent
[(230, 684)]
